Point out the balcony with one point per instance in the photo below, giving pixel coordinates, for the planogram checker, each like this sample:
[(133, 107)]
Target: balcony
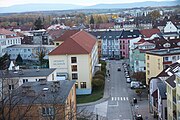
[(174, 100), (174, 115)]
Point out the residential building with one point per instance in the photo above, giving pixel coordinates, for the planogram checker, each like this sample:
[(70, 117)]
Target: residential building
[(159, 99), (161, 59), (138, 53), (40, 37), (125, 38), (110, 43), (76, 58), (14, 78), (172, 27), (149, 33), (176, 114), (8, 38), (28, 52), (41, 101)]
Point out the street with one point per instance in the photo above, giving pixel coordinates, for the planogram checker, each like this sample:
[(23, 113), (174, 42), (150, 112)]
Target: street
[(116, 103), (119, 107)]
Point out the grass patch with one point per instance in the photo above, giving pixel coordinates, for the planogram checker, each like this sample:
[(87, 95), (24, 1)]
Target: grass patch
[(96, 95)]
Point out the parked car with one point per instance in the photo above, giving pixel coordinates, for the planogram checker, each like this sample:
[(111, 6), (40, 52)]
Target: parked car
[(135, 84), (128, 80), (119, 69)]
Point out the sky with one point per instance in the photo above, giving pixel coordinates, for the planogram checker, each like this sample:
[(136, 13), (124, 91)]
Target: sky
[(6, 3)]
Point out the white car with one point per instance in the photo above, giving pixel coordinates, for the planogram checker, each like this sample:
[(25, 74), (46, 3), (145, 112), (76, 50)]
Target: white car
[(128, 80)]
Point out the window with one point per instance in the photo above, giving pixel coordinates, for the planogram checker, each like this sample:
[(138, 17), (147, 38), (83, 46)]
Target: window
[(76, 85), (148, 57), (25, 80), (47, 111), (11, 87), (148, 72), (74, 76), (74, 67), (166, 59), (73, 60), (147, 64), (57, 44), (83, 84)]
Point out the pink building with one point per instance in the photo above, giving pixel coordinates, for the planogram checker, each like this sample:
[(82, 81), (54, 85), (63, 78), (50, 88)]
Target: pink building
[(125, 38)]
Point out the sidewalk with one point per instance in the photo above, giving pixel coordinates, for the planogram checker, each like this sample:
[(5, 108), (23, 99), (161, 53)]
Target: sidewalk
[(105, 95)]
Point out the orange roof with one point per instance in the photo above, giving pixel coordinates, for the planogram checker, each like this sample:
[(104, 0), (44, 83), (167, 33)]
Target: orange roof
[(79, 43), (66, 35), (149, 32), (6, 32)]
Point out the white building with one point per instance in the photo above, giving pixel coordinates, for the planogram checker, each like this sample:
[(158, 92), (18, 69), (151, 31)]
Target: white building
[(28, 52), (171, 27), (76, 58), (8, 38)]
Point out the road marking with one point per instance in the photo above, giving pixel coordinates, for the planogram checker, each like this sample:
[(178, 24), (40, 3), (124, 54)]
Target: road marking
[(127, 98), (112, 98), (118, 98), (124, 98), (121, 98), (115, 98)]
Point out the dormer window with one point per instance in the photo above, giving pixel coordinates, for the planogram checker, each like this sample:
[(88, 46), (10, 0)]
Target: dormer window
[(167, 45)]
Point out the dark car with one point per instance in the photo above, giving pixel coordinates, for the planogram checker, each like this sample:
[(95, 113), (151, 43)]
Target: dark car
[(119, 69), (138, 117)]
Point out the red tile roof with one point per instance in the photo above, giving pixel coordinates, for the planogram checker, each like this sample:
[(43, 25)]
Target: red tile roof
[(6, 32), (149, 32), (79, 43), (66, 35)]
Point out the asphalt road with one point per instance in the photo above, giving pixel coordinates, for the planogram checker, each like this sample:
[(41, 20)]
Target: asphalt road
[(119, 107)]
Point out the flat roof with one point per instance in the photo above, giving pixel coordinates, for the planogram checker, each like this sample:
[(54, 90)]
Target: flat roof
[(26, 73), (47, 92), (163, 52)]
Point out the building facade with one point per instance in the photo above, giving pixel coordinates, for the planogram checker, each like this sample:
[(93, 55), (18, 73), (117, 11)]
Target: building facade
[(76, 59), (8, 38)]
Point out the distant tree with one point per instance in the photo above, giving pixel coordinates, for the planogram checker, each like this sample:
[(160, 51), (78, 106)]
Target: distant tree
[(4, 61), (38, 24), (91, 20), (19, 60), (41, 54), (154, 15)]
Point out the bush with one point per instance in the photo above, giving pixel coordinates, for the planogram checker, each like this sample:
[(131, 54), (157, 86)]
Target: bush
[(97, 83), (99, 76), (100, 73)]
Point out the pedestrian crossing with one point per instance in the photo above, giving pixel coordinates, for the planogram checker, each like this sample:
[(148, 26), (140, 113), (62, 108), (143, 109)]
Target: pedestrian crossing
[(119, 98)]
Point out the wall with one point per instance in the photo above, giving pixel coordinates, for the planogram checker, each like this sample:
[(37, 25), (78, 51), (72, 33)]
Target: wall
[(154, 65)]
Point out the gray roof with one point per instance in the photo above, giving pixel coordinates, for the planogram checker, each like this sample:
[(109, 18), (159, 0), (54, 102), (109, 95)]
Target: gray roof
[(27, 73), (162, 89), (171, 80), (42, 92), (162, 52), (110, 35)]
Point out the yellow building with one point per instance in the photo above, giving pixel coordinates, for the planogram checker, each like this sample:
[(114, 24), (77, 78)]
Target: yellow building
[(178, 95), (171, 98), (76, 58), (154, 65), (157, 60)]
